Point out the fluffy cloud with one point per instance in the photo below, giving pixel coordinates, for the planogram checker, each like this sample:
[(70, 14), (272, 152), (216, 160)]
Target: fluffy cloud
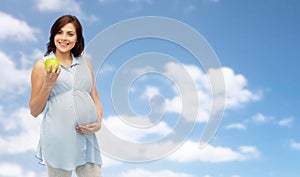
[(286, 122), (189, 9), (236, 126), (131, 1), (130, 133), (215, 1), (27, 60), (63, 6), (108, 161), (15, 29), (190, 152), (236, 90), (260, 118), (295, 145), (57, 5), (141, 1), (25, 128), (106, 69), (146, 173), (14, 170), (14, 80), (192, 92), (193, 86), (150, 92), (135, 144)]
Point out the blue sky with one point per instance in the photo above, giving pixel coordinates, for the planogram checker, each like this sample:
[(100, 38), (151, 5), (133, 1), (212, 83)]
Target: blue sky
[(257, 43)]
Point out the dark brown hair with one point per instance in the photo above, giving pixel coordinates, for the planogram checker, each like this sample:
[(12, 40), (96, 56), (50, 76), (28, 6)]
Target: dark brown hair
[(56, 27)]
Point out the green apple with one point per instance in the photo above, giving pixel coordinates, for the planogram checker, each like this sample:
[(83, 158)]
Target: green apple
[(53, 62)]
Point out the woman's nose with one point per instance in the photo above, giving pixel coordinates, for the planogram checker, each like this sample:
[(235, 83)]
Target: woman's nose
[(63, 36)]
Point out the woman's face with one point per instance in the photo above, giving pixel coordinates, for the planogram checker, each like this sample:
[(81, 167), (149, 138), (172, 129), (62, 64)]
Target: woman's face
[(65, 39)]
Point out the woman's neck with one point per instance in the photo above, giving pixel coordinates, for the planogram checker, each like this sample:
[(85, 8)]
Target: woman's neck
[(64, 58)]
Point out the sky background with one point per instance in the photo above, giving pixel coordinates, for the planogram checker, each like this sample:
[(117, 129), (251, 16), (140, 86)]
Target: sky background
[(257, 43)]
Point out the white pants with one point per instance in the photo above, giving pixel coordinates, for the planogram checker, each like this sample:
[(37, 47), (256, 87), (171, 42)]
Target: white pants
[(86, 170)]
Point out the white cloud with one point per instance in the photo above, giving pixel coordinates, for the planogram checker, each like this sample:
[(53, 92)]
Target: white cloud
[(149, 2), (261, 118), (134, 134), (150, 92), (14, 80), (27, 127), (57, 5), (286, 122), (146, 173), (106, 69), (236, 93), (108, 161), (189, 9), (191, 152), (295, 145), (142, 1), (28, 60), (236, 89), (126, 143), (16, 29), (215, 1), (248, 152), (63, 6), (193, 86), (14, 170), (236, 126)]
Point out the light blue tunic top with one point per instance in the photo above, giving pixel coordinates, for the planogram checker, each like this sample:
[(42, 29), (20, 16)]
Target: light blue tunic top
[(69, 104)]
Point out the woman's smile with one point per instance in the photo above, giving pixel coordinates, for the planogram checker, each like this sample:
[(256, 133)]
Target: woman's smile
[(66, 38)]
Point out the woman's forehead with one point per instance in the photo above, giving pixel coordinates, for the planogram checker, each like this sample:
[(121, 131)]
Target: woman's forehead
[(69, 27)]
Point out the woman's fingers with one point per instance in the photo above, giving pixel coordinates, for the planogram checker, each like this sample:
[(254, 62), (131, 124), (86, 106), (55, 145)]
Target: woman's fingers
[(87, 129), (53, 74), (83, 130)]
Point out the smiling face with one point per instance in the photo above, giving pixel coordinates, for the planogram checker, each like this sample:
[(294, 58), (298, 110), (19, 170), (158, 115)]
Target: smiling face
[(66, 34), (65, 39)]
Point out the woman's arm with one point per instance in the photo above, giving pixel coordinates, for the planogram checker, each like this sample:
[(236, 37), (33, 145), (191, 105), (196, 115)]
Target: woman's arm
[(41, 83)]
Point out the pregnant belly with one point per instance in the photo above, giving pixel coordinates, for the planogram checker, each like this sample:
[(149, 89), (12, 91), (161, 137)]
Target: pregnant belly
[(85, 108)]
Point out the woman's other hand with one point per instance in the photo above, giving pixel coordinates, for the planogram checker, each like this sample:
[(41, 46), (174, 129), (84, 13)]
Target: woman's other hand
[(89, 128)]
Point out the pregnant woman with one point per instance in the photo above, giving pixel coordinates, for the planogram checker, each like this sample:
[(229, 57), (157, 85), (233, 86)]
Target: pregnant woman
[(68, 96)]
